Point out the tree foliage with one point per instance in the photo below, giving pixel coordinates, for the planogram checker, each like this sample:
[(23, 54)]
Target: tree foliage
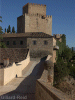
[(67, 54), (5, 29), (13, 29), (9, 29), (0, 26), (0, 18), (2, 44), (63, 65), (61, 45), (60, 70), (1, 30)]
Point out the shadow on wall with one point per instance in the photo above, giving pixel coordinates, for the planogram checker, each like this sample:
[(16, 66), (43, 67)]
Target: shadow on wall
[(39, 53), (43, 58), (27, 86)]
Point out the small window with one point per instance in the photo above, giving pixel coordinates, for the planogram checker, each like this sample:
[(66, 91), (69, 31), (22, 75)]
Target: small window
[(14, 42), (45, 42), (21, 42), (34, 42), (7, 42)]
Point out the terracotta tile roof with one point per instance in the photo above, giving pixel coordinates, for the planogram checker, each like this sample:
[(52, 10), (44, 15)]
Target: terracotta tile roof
[(28, 34), (14, 54)]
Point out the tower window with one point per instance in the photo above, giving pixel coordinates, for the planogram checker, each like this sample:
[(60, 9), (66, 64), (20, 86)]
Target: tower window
[(7, 42), (34, 42), (45, 42), (21, 42), (14, 42)]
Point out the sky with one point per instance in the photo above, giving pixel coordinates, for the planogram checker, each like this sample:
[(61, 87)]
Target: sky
[(62, 11)]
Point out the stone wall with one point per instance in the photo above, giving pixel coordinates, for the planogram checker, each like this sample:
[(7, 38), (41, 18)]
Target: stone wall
[(34, 9), (17, 40), (45, 91), (54, 51), (54, 56), (10, 72), (1, 76), (40, 49), (14, 54), (21, 24), (34, 19), (35, 23)]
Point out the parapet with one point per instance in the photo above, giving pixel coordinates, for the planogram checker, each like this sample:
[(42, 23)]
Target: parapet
[(34, 4), (38, 15), (48, 16), (36, 8), (57, 35)]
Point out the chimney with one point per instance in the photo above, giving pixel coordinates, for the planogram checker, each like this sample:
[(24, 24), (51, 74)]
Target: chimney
[(6, 62)]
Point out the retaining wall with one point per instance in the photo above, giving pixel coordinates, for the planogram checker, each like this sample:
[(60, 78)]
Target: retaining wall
[(45, 91), (10, 72)]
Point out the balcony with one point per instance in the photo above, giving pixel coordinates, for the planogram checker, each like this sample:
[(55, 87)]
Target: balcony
[(56, 47)]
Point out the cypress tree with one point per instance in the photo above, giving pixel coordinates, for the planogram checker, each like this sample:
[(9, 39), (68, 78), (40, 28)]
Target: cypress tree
[(13, 29), (1, 27), (5, 29), (9, 29)]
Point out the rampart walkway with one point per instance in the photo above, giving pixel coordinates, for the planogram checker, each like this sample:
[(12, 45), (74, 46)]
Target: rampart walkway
[(23, 88)]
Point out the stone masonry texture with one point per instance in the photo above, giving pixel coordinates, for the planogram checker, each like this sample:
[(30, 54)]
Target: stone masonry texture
[(34, 19)]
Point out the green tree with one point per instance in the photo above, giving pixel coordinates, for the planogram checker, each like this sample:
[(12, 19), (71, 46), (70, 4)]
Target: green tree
[(2, 44), (9, 29), (13, 29), (1, 30), (5, 29), (60, 70), (61, 45), (67, 54), (0, 19), (0, 26), (72, 71), (63, 41)]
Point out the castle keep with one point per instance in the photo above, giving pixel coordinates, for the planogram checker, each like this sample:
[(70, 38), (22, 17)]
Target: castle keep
[(34, 32), (34, 19)]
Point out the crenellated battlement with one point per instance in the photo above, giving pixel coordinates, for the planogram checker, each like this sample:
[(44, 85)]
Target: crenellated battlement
[(34, 19), (57, 35), (48, 16), (34, 4), (34, 8), (33, 15), (38, 15)]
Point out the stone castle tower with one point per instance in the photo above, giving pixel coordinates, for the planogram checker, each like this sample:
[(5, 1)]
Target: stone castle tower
[(34, 19)]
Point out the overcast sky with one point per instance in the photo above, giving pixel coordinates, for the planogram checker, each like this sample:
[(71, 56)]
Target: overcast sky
[(62, 11)]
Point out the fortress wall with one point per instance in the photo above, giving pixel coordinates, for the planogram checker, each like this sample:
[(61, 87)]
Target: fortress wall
[(25, 62), (21, 24), (35, 23), (1, 77), (37, 9), (49, 25), (25, 9), (54, 51), (54, 42), (40, 48), (17, 39), (34, 9), (44, 91), (54, 56), (10, 72)]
